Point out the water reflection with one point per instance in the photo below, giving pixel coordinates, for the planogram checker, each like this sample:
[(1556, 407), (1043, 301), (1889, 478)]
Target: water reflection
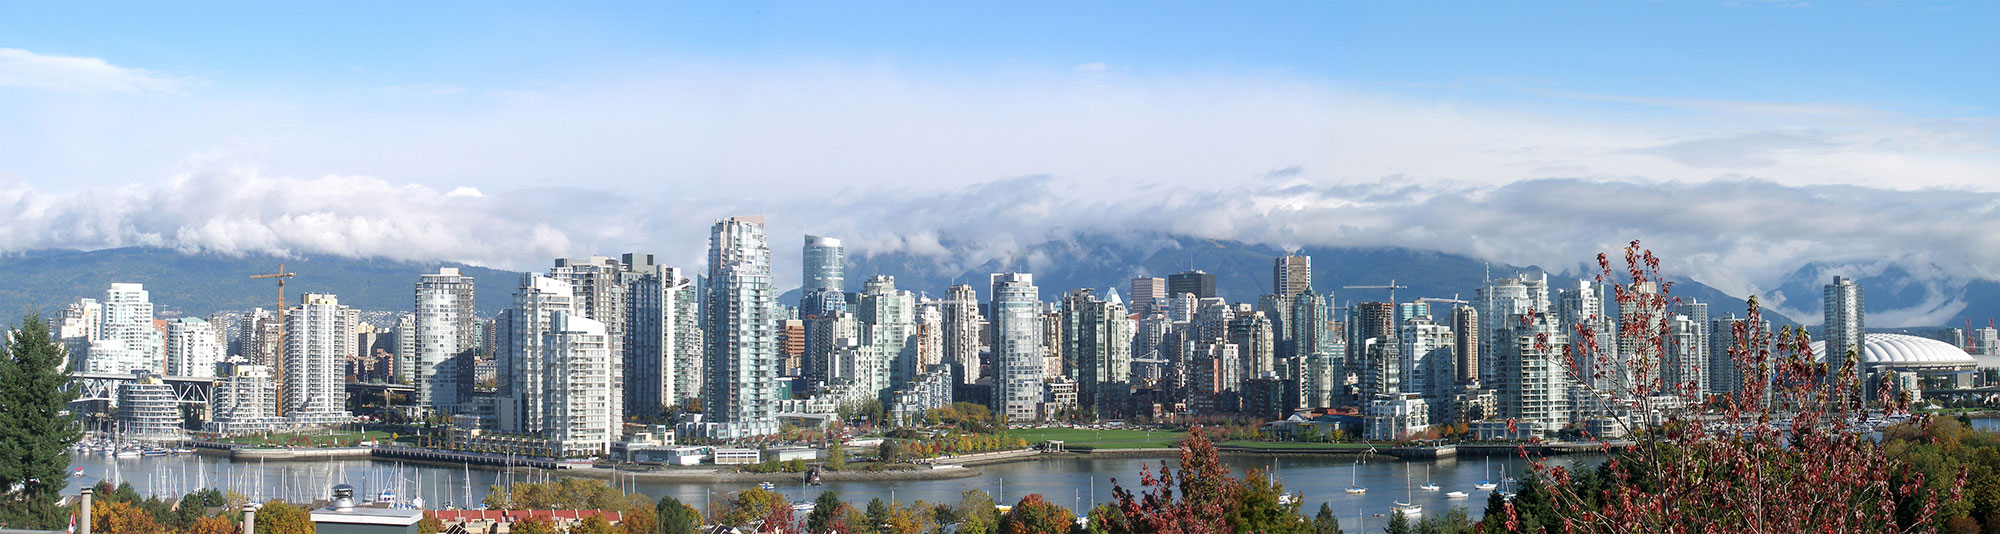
[(1072, 482)]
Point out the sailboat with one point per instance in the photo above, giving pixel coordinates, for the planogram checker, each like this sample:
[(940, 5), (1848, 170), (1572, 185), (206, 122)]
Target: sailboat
[(1428, 486), (1355, 488), (1505, 479), (1487, 484), (1408, 505)]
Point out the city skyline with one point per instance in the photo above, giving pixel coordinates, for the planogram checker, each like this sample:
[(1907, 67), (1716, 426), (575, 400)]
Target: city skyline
[(1492, 131)]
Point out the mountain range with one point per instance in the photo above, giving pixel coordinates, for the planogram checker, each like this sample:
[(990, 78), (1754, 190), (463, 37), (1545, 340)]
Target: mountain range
[(196, 284)]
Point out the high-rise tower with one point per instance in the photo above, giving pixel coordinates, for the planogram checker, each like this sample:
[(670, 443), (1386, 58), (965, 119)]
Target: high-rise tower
[(962, 325), (319, 334), (740, 331), (1291, 274), (1197, 283), (1844, 322), (1017, 346), (443, 338), (825, 264)]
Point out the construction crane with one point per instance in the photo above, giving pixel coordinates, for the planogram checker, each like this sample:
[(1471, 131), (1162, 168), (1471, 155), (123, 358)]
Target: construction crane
[(1392, 287), (1971, 340), (278, 360)]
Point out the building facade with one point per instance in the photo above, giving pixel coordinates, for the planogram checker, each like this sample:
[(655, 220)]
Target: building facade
[(442, 339), (1017, 346), (319, 334), (740, 331)]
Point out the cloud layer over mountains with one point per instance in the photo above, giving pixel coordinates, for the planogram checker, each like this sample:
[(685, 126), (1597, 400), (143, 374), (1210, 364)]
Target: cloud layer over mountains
[(1741, 236)]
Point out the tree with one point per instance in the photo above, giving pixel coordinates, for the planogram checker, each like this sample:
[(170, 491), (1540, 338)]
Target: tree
[(1325, 522), (276, 517), (1035, 515), (497, 498), (114, 517), (1207, 495), (836, 456), (535, 525), (640, 520), (674, 517), (878, 514), (826, 509), (1726, 463), (1262, 507), (591, 525), (430, 524), (752, 505), (35, 431), (212, 525), (1398, 523), (975, 508)]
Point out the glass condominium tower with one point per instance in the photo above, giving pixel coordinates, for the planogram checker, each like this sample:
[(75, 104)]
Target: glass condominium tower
[(740, 331), (825, 264)]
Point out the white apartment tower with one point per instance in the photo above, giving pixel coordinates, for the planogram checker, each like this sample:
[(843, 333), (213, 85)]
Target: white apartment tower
[(1532, 384), (740, 331), (1017, 346), (191, 348), (126, 340), (319, 334), (578, 396), (889, 322), (522, 329), (599, 283), (962, 325), (442, 340)]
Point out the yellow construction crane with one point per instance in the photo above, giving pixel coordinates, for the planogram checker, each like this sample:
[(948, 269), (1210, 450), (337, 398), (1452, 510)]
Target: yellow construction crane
[(278, 360)]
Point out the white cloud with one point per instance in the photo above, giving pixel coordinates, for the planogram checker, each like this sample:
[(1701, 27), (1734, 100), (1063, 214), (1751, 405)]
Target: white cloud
[(1094, 66), (70, 74), (1737, 194), (1744, 237)]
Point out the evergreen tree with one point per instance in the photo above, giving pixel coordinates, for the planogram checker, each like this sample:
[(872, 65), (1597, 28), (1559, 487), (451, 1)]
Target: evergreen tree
[(1398, 523), (825, 510), (35, 431), (878, 513), (673, 516), (1325, 523)]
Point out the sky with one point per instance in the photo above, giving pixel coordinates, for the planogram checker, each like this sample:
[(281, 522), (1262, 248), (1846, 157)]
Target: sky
[(1741, 140)]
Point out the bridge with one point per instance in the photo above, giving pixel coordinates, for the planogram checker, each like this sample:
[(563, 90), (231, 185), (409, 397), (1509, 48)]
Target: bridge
[(103, 387), (92, 387), (380, 387)]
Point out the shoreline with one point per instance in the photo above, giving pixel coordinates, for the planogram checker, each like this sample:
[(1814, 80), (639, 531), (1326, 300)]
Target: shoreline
[(953, 468)]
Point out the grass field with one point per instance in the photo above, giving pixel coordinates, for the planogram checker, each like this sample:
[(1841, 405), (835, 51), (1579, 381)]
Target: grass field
[(1102, 439)]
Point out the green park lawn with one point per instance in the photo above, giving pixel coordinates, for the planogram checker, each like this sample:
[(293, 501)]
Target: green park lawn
[(1102, 439)]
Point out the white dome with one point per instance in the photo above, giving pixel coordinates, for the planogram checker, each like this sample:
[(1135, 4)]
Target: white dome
[(1907, 352)]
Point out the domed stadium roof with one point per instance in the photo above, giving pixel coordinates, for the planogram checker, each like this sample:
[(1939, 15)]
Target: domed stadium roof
[(1907, 352)]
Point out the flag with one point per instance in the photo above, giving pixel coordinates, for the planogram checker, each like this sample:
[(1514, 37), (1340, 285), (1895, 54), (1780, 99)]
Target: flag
[(72, 523)]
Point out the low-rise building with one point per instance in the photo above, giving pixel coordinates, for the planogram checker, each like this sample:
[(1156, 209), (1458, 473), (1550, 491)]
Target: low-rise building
[(736, 456)]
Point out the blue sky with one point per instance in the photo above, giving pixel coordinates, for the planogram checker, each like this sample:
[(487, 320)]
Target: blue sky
[(1929, 56), (507, 133)]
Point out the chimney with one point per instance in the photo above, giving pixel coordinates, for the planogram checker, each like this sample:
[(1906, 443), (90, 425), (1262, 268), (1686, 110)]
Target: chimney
[(249, 518), (83, 525)]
